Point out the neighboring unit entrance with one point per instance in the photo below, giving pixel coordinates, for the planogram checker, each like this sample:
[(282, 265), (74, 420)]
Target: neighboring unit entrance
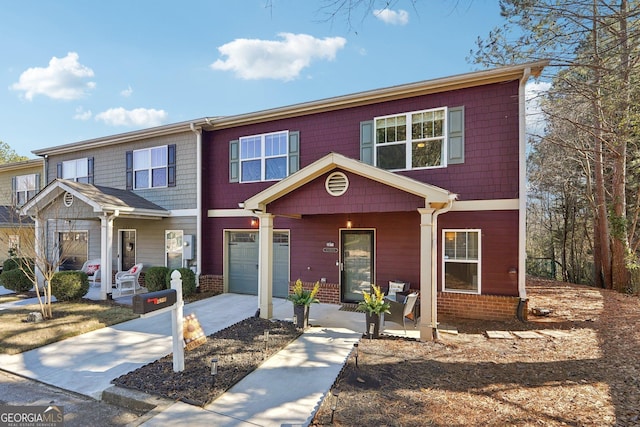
[(127, 249), (243, 262), (357, 256), (73, 249)]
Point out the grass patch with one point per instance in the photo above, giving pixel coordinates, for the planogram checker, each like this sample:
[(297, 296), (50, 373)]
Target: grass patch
[(69, 319)]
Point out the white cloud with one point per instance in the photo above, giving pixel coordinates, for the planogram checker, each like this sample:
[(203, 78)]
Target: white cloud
[(81, 114), (388, 16), (138, 117), (253, 59), (534, 92), (126, 92), (64, 78)]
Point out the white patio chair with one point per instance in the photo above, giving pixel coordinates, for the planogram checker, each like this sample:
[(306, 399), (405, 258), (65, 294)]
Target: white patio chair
[(128, 280)]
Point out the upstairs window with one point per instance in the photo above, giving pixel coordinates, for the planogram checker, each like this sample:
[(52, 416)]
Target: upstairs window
[(153, 167), (264, 157), (461, 261), (25, 187), (411, 140), (79, 170), (150, 167)]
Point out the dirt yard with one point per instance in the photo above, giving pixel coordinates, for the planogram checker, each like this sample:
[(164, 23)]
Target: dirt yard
[(582, 369)]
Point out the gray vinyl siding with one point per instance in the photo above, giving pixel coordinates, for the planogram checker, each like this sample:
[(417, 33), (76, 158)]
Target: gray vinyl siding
[(110, 169), (150, 237), (9, 171)]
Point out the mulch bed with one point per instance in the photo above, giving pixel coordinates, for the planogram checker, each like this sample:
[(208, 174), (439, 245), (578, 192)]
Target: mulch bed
[(589, 376), (240, 349)]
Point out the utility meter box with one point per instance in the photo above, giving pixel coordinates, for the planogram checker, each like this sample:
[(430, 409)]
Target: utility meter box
[(187, 247)]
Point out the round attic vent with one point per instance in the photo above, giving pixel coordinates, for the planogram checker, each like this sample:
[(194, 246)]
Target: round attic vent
[(68, 199), (337, 184)]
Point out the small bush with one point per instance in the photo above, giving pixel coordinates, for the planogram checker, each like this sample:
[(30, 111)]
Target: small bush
[(16, 280), (16, 263), (69, 285), (155, 278), (10, 264), (188, 281)]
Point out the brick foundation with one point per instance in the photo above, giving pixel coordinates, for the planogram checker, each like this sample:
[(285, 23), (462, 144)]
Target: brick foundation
[(483, 307), (450, 305), (211, 283), (329, 293)]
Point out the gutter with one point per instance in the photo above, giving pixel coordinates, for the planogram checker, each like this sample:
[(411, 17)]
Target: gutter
[(522, 194), (434, 261), (198, 132)]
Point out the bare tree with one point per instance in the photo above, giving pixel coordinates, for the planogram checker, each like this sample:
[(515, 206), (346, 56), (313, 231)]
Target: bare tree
[(593, 48), (41, 241)]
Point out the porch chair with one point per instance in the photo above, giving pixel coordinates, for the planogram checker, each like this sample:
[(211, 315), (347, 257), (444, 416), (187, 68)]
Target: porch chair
[(401, 309), (396, 287), (92, 268), (128, 280)]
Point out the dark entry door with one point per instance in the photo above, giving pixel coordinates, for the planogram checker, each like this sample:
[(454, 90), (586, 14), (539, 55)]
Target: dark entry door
[(357, 254), (128, 249), (73, 249)]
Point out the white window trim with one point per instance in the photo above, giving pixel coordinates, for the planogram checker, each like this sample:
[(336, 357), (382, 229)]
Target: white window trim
[(25, 191), (263, 156), (408, 142), (478, 261), (75, 162), (151, 168), (166, 252), (135, 255)]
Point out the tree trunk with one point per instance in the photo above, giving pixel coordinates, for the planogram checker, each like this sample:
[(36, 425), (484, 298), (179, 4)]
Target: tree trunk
[(620, 241)]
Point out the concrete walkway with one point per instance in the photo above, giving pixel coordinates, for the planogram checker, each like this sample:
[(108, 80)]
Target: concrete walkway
[(286, 390)]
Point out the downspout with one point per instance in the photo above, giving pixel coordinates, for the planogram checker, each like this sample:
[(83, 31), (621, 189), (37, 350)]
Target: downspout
[(522, 195), (434, 265), (198, 133)]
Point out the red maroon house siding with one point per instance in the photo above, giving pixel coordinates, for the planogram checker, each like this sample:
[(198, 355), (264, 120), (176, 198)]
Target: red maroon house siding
[(490, 171), (499, 247), (363, 195)]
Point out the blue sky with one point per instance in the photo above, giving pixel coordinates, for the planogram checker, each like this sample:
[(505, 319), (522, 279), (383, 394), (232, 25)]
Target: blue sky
[(72, 70)]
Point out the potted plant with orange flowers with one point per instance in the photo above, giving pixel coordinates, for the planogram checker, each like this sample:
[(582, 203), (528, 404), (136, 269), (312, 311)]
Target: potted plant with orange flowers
[(302, 298), (373, 305)]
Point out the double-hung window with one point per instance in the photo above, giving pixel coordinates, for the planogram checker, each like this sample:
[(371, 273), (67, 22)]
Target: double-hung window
[(411, 140), (153, 167), (461, 261), (150, 167), (25, 188), (76, 170), (264, 157)]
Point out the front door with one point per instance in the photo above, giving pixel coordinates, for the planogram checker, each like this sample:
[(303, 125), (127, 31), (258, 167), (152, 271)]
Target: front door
[(127, 249), (73, 249), (357, 256)]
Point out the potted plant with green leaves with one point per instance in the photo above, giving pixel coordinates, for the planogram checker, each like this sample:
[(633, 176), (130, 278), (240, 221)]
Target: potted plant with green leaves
[(302, 298), (373, 305)]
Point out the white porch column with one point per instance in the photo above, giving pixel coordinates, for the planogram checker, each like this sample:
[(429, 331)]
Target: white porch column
[(265, 266), (428, 286), (106, 254)]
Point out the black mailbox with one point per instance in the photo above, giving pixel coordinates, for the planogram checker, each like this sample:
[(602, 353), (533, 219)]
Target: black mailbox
[(152, 301)]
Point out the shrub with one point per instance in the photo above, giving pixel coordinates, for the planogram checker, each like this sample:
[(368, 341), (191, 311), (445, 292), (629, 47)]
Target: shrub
[(155, 278), (69, 285), (16, 263), (16, 280), (188, 281)]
